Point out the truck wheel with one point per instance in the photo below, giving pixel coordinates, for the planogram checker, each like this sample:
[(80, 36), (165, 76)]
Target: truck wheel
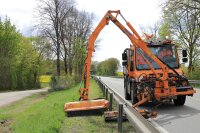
[(133, 94), (180, 100), (126, 94)]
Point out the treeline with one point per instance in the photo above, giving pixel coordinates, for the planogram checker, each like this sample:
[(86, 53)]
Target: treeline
[(66, 28), (18, 59), (58, 49), (180, 21), (183, 21), (107, 67)]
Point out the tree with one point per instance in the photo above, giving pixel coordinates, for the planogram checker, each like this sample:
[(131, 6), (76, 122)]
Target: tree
[(67, 29), (151, 30), (186, 3), (27, 66), (76, 30), (79, 59), (94, 66), (51, 14), (42, 46), (108, 67), (17, 59), (164, 30), (184, 20), (10, 38)]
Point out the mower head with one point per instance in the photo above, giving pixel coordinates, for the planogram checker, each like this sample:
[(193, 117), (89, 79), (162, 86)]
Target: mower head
[(86, 105)]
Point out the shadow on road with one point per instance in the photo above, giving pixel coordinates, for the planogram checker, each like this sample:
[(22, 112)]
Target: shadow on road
[(172, 112), (169, 112)]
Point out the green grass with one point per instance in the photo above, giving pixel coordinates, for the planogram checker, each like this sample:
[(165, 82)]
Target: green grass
[(92, 124), (36, 114), (39, 113), (119, 74), (44, 85), (43, 113), (196, 85)]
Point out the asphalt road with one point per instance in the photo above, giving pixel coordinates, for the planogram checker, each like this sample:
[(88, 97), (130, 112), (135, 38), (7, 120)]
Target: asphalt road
[(173, 119), (9, 97)]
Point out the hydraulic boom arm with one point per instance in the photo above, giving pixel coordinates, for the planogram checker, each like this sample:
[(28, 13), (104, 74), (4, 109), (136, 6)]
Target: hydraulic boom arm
[(135, 39)]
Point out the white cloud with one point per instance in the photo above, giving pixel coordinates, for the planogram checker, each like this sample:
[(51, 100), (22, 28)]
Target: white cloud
[(138, 12), (20, 12)]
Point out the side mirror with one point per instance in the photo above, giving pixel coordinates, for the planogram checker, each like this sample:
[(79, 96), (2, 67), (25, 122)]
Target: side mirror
[(124, 56), (184, 60), (184, 53), (124, 63)]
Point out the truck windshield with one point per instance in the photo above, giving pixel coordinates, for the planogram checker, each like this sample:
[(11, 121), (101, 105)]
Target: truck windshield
[(166, 53)]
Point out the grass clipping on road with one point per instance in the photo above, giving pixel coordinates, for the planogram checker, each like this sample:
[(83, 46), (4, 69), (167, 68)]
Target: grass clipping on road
[(44, 113)]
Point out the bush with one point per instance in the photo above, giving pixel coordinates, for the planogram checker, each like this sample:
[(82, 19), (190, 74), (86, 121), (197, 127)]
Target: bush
[(119, 74), (193, 75), (108, 67), (61, 82)]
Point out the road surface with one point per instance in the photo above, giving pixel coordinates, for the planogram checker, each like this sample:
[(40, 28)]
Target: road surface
[(173, 119), (9, 97)]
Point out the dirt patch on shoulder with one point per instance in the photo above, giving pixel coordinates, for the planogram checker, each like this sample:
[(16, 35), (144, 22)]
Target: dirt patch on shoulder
[(43, 94), (5, 126)]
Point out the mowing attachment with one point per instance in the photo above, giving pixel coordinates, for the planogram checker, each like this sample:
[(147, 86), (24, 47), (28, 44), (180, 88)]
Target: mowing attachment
[(86, 105)]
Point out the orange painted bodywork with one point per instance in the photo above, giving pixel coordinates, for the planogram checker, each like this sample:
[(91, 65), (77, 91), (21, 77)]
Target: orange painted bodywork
[(170, 93), (86, 105)]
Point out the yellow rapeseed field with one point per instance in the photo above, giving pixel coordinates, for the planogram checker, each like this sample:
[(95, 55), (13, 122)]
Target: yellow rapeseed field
[(45, 78)]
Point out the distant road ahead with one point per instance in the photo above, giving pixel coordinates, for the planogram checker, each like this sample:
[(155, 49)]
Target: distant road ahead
[(9, 97)]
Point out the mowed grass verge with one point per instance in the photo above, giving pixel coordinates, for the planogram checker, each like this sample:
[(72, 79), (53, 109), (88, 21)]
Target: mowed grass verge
[(43, 113)]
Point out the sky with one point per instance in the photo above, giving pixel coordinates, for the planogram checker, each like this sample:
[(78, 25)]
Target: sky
[(20, 13), (113, 41)]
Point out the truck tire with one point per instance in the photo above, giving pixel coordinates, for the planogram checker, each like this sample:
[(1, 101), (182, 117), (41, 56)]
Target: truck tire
[(126, 94), (133, 94), (180, 100)]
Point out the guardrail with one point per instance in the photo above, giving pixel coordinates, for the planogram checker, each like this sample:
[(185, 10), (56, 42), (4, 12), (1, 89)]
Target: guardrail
[(194, 81), (190, 81), (136, 119)]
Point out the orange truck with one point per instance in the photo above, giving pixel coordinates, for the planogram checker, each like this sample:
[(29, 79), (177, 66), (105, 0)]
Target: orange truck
[(143, 77)]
